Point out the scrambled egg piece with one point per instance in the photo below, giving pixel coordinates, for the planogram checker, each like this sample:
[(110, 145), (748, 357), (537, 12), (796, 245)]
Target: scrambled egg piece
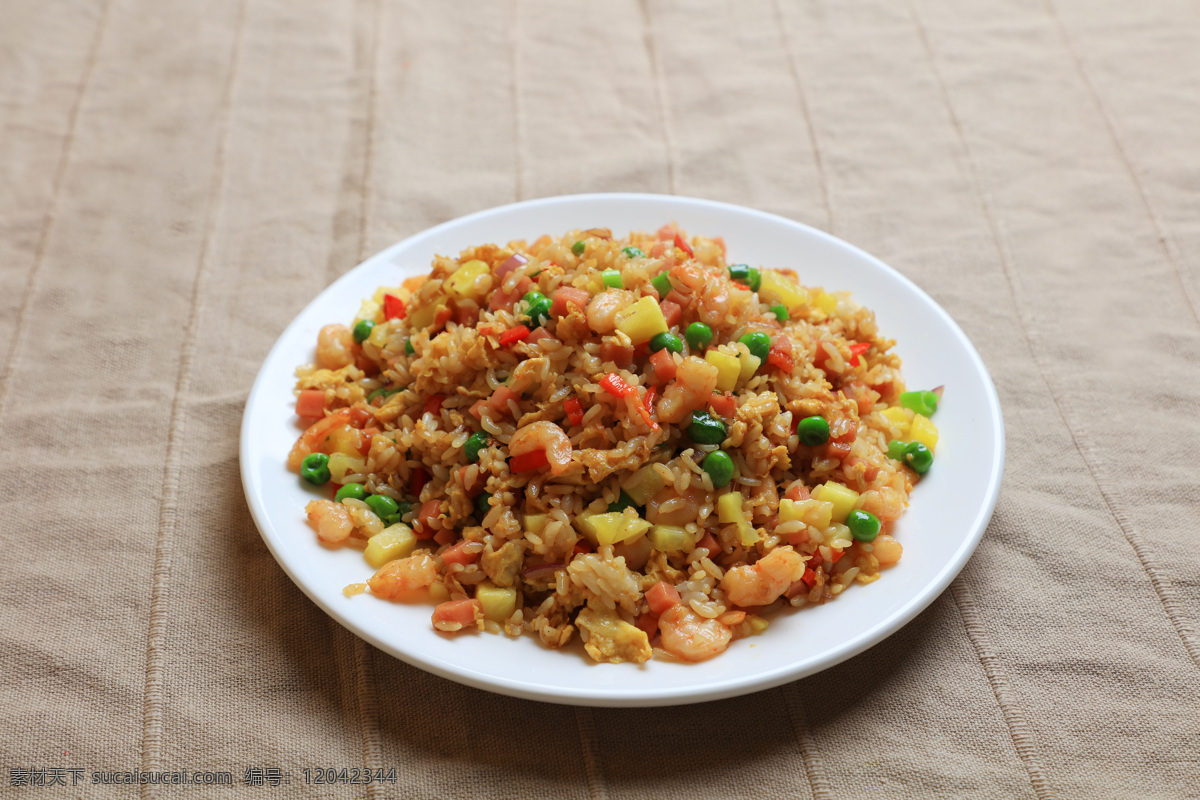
[(609, 639)]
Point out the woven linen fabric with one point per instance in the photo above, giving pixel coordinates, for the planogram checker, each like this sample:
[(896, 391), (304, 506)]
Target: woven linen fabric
[(178, 179)]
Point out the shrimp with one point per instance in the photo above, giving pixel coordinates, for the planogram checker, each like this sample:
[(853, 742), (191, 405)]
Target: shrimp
[(763, 583), (687, 635), (335, 346), (602, 311), (331, 519), (404, 574), (886, 503), (887, 550), (669, 507), (694, 383), (712, 296), (545, 436)]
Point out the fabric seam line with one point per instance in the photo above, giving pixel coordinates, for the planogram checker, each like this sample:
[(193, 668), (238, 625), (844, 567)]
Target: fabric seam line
[(168, 515), (814, 767), (660, 92), (60, 172)]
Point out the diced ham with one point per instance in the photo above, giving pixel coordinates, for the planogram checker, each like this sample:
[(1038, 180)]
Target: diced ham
[(568, 296), (664, 366)]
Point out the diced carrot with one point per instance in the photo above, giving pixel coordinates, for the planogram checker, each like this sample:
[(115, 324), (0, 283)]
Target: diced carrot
[(648, 623), (574, 410), (568, 296), (538, 334), (710, 543), (837, 553), (434, 404), (780, 354), (364, 445), (358, 417), (527, 462), (461, 611), (724, 404), (843, 430), (500, 397), (363, 362), (665, 367), (797, 491), (662, 596), (797, 538), (442, 316), (671, 312), (429, 511), (513, 335), (582, 546), (809, 577), (682, 244), (666, 232), (838, 450), (476, 409), (458, 554), (393, 307), (675, 297), (445, 537), (311, 404)]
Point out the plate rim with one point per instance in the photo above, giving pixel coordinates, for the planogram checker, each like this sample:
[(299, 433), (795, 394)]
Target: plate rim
[(630, 697)]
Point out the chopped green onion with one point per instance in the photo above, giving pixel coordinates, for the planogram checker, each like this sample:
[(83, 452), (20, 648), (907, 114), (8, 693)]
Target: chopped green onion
[(612, 279), (633, 252), (662, 283), (925, 403)]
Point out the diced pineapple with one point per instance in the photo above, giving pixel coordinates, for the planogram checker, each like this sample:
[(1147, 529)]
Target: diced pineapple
[(394, 541), (825, 301), (369, 309), (498, 603), (643, 484), (380, 334), (747, 366), (842, 497), (757, 623), (344, 439), (810, 512), (779, 288), (670, 539), (729, 509), (438, 593), (642, 320), (341, 465), (728, 369), (423, 316), (900, 417), (924, 431), (535, 523), (613, 527), (464, 283)]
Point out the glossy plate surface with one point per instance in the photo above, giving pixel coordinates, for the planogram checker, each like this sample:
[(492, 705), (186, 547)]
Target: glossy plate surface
[(948, 512)]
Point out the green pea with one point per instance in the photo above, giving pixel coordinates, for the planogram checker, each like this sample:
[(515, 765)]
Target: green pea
[(813, 431), (612, 279), (477, 441), (759, 344), (539, 312), (633, 252), (382, 505), (917, 456), (746, 275), (622, 502), (665, 341), (896, 449), (409, 350), (698, 335), (402, 509), (719, 467), (362, 330), (483, 504), (578, 248), (706, 429), (863, 525), (662, 283), (925, 403), (315, 468), (780, 311), (352, 490)]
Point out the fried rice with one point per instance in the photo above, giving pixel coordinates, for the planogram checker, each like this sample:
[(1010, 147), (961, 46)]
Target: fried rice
[(628, 439)]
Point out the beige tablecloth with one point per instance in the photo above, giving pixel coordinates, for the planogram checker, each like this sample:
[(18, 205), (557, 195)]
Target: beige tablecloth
[(178, 179)]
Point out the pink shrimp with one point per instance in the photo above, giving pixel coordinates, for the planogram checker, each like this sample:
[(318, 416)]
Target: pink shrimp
[(403, 575), (687, 635), (546, 436), (763, 583)]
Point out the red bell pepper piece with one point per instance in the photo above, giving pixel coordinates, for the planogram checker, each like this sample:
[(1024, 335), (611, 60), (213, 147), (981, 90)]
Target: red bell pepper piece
[(724, 404), (434, 404), (574, 410), (528, 461), (857, 349), (513, 335), (682, 244), (393, 307)]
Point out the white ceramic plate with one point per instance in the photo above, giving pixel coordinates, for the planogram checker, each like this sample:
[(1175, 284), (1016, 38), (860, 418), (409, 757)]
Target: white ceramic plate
[(947, 516)]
